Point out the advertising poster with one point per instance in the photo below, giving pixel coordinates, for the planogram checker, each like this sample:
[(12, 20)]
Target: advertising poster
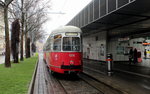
[(120, 50), (102, 50)]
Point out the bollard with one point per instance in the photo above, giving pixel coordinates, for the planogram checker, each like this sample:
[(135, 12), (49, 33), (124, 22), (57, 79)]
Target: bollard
[(109, 61)]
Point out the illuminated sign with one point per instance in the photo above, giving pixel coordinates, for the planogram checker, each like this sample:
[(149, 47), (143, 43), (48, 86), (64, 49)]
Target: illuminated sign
[(124, 39), (71, 34), (146, 43)]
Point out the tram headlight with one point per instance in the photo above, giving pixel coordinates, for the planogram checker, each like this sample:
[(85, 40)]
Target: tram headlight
[(71, 62)]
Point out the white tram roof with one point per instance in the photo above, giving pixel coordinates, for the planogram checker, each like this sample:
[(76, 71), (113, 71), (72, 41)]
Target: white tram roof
[(64, 29)]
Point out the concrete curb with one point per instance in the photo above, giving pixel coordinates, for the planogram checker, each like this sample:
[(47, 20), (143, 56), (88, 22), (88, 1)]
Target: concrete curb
[(31, 86)]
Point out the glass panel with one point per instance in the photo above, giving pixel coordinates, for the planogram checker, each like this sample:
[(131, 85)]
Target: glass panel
[(75, 44), (102, 7), (122, 2), (57, 43), (79, 19), (71, 44), (48, 44), (96, 9), (86, 16), (111, 5), (91, 12), (67, 44)]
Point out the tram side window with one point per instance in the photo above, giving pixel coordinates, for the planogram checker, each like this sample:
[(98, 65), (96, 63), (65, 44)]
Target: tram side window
[(44, 48), (47, 48), (57, 43)]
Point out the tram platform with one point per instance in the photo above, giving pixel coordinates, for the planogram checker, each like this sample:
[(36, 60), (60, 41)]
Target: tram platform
[(40, 83), (125, 67), (130, 79), (133, 69)]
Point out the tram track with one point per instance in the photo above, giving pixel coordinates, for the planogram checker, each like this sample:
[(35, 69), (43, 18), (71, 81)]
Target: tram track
[(82, 83), (62, 87), (101, 86), (73, 84)]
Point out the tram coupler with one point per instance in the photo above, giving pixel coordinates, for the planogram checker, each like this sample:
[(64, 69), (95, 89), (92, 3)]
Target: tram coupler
[(109, 61)]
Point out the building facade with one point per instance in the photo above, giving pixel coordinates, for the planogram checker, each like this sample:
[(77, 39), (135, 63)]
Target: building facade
[(2, 31), (115, 26)]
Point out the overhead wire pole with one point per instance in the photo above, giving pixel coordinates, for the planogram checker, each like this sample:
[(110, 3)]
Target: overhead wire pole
[(55, 12), (63, 6)]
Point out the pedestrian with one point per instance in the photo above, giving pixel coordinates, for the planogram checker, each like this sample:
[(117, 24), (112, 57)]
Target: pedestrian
[(130, 56), (135, 56), (145, 54), (139, 56)]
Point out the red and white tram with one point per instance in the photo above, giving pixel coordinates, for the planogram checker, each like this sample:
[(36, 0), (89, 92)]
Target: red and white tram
[(63, 51)]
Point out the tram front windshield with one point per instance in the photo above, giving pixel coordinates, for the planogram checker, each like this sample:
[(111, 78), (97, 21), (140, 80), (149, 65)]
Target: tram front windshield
[(71, 44)]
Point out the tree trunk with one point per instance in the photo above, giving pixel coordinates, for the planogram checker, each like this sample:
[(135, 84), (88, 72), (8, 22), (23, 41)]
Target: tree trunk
[(15, 31), (22, 34), (26, 43), (17, 52), (21, 54), (28, 47), (33, 48), (7, 54)]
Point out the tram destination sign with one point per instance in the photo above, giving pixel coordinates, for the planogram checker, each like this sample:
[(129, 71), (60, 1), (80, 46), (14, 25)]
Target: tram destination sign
[(71, 34)]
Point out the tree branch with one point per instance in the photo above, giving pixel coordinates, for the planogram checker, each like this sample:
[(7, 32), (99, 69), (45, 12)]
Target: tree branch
[(7, 2), (2, 3)]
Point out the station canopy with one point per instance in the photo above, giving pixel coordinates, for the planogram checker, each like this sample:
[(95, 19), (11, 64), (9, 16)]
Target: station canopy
[(129, 19)]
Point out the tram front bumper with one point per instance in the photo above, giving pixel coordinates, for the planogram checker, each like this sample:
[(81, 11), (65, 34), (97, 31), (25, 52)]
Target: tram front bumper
[(71, 66)]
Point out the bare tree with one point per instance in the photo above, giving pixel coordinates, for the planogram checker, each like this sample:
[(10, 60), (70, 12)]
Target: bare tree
[(32, 15), (7, 49), (34, 20), (17, 12)]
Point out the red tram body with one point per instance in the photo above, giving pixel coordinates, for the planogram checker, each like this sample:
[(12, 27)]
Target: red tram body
[(62, 50)]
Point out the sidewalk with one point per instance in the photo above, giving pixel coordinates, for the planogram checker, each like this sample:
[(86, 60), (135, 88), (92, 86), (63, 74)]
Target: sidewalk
[(2, 59), (44, 82), (128, 83)]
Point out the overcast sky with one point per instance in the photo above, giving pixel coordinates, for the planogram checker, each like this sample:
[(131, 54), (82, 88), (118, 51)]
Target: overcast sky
[(69, 8)]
